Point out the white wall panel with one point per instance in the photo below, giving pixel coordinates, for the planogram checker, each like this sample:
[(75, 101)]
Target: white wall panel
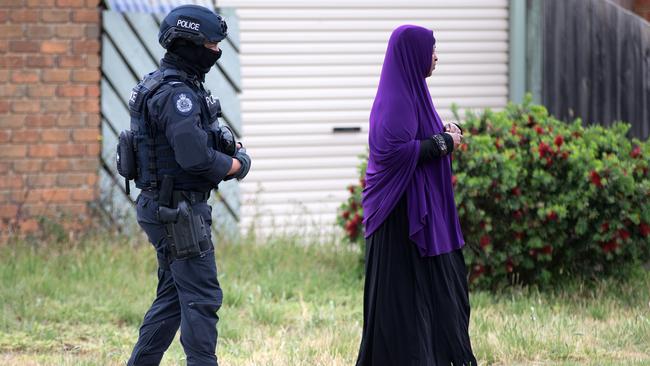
[(311, 66)]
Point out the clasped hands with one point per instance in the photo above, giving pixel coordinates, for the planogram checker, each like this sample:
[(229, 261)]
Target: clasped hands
[(455, 132)]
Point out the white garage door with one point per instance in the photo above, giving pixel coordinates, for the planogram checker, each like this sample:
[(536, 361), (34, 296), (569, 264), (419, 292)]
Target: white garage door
[(310, 69)]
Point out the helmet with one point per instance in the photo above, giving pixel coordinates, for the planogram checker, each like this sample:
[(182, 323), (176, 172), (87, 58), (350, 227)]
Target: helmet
[(192, 23)]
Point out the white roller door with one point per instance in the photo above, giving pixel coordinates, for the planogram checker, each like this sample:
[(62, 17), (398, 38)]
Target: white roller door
[(309, 67)]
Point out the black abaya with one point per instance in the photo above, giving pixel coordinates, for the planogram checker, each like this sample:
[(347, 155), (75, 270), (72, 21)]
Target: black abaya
[(416, 309)]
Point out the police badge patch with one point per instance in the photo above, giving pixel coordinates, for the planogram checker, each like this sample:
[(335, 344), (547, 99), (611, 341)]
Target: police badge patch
[(184, 104)]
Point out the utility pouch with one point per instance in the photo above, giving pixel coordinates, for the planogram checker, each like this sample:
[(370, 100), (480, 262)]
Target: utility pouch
[(185, 229), (126, 156)]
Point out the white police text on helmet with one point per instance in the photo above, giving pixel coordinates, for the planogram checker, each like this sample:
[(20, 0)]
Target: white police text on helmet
[(188, 24)]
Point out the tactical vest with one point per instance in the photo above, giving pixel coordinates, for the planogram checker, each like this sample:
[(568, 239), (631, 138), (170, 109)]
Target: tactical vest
[(145, 155)]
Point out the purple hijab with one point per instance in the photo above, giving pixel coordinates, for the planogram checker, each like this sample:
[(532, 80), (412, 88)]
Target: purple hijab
[(402, 115)]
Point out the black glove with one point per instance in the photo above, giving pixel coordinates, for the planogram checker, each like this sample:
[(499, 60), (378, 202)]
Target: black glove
[(225, 141), (245, 161)]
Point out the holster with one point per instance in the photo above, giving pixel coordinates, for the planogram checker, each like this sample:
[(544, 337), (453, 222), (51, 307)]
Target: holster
[(187, 232)]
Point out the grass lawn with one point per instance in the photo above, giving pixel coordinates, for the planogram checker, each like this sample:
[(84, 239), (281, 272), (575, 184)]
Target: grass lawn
[(287, 304)]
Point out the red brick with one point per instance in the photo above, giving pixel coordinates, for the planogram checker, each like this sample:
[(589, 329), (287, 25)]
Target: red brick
[(4, 106), (29, 226), (93, 120), (92, 31), (13, 120), (24, 16), (55, 16), (11, 62), (38, 31), (93, 149), (24, 46), (72, 61), (4, 15), (67, 31), (8, 211), (4, 167), (92, 179), (87, 194), (85, 164), (85, 47), (43, 151), (86, 134), (72, 179), (11, 31), (12, 3), (24, 136), (13, 151), (39, 62), (27, 166), (71, 91), (56, 105), (71, 120), (93, 91), (27, 106), (30, 195), (85, 105), (70, 3), (5, 136), (72, 150), (89, 76), (13, 91), (56, 76), (4, 46), (55, 46), (86, 16), (26, 77), (57, 165), (41, 180), (41, 120), (55, 135), (37, 209), (56, 195), (40, 3), (11, 182), (41, 90), (93, 61)]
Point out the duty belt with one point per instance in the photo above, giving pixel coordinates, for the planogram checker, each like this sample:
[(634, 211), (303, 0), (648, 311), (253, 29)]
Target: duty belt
[(192, 197)]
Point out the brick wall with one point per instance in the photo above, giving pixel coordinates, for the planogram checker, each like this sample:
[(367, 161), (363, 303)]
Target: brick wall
[(642, 7), (49, 110)]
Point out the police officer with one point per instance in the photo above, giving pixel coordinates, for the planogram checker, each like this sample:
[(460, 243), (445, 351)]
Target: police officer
[(180, 155)]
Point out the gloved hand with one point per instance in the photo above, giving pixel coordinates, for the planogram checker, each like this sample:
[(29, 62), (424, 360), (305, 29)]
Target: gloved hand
[(245, 161)]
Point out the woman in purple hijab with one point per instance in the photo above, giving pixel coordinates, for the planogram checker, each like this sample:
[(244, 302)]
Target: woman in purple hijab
[(416, 304)]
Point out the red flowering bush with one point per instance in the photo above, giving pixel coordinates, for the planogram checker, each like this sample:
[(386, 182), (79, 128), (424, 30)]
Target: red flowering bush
[(350, 215), (540, 200)]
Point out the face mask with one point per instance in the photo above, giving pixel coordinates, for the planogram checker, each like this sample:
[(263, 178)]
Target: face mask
[(197, 56)]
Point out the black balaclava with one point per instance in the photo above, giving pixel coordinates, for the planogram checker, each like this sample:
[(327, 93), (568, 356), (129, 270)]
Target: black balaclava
[(192, 58)]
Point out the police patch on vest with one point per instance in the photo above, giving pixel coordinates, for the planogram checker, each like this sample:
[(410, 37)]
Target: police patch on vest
[(184, 104)]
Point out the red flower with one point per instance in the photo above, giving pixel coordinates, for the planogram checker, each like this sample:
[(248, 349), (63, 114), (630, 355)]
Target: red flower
[(636, 152), (454, 180), (551, 216), (539, 130), (624, 234), (549, 161), (513, 130), (604, 227), (517, 215), (353, 206), (547, 249), (516, 191), (351, 188), (595, 179), (345, 214), (533, 253), (363, 182), (609, 246), (559, 140), (485, 241), (644, 229), (463, 147), (543, 149), (356, 219), (509, 267), (565, 155), (519, 235)]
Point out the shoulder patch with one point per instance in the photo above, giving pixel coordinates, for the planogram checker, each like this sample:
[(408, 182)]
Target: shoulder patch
[(184, 103)]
